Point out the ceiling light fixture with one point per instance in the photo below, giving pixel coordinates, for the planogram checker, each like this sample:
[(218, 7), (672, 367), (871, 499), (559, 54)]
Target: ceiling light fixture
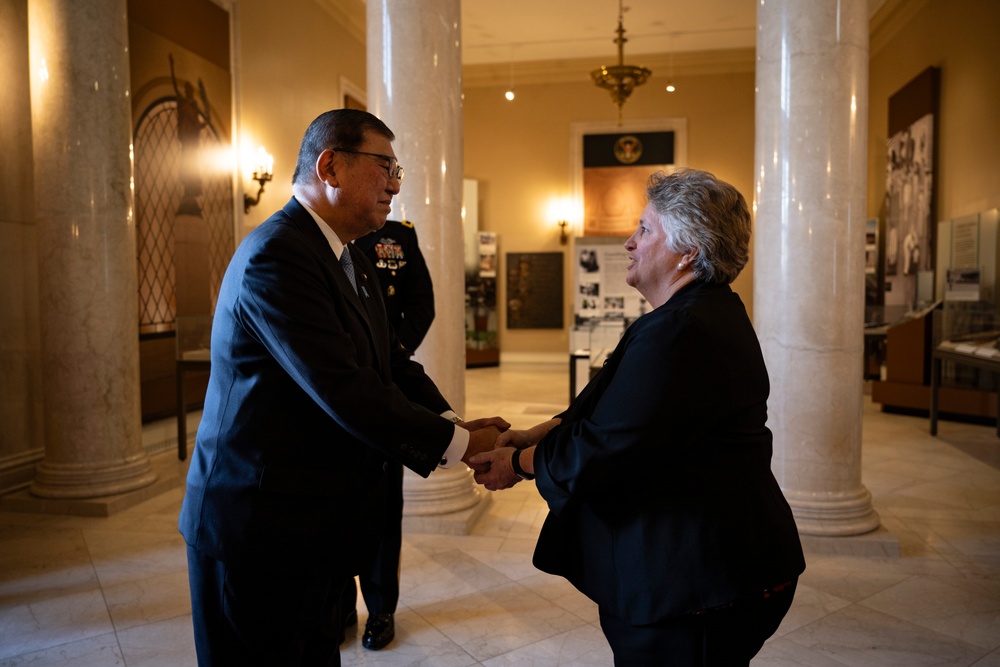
[(510, 91), (620, 79), (670, 79)]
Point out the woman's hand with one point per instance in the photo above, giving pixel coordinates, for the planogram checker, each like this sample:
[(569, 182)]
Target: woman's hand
[(527, 437), (513, 438), (499, 474)]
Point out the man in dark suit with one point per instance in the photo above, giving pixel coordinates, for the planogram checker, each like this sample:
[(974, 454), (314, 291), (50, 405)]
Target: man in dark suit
[(409, 303), (310, 396)]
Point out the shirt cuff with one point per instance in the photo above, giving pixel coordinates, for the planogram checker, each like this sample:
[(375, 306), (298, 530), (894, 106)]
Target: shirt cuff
[(459, 443)]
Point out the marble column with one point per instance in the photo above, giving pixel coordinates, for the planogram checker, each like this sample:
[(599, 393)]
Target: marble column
[(811, 128), (415, 86), (81, 130)]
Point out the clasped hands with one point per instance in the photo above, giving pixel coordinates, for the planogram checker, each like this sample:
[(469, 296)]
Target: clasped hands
[(491, 446)]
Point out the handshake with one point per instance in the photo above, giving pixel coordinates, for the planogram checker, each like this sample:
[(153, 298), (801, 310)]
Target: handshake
[(493, 446)]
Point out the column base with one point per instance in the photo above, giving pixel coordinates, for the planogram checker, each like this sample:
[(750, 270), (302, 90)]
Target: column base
[(448, 502), (453, 523), (166, 478), (833, 514), (73, 481)]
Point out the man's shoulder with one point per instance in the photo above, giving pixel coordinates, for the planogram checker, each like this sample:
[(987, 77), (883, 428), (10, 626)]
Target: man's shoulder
[(404, 227), (392, 232)]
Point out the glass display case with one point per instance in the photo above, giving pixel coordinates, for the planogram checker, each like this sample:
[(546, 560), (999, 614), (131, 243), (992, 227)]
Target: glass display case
[(966, 361), (593, 341), (482, 347)]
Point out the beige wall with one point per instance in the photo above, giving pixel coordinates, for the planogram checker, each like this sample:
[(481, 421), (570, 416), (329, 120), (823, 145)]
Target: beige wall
[(291, 57), (520, 153), (959, 36)]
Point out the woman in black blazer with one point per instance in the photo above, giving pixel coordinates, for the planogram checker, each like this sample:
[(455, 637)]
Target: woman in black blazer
[(663, 507)]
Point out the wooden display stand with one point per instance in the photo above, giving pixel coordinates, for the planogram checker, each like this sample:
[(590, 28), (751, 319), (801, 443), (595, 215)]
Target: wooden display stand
[(989, 364), (907, 384)]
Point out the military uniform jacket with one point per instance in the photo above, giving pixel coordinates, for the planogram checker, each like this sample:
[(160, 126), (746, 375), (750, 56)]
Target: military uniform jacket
[(404, 279)]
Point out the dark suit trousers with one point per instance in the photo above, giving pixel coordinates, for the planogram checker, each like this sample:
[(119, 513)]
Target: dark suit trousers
[(725, 637), (250, 616), (380, 577)]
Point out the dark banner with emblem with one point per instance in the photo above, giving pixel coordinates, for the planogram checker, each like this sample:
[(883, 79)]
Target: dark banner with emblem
[(628, 150)]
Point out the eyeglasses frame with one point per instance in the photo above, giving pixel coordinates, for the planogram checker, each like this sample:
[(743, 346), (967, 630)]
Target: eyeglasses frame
[(391, 172)]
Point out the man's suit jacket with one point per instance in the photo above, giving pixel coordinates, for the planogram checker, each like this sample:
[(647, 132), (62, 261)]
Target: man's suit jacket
[(658, 480), (406, 283), (309, 395)]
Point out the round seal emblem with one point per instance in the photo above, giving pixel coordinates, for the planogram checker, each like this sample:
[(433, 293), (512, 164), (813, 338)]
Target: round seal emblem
[(628, 149)]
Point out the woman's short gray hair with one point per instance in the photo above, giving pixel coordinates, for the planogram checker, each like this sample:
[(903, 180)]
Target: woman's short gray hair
[(700, 212)]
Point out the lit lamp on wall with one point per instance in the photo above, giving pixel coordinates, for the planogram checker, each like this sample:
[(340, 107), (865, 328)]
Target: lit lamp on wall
[(263, 172), (562, 231), (561, 210)]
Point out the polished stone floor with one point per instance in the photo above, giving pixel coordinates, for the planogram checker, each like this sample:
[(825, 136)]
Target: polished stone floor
[(90, 592)]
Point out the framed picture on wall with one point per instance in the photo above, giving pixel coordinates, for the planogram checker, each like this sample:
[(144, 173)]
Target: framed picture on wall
[(534, 290), (909, 193)]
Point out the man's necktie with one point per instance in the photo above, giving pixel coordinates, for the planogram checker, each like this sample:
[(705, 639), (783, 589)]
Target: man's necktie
[(348, 266)]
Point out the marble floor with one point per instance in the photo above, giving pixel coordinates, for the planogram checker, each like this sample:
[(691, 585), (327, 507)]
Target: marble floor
[(91, 592)]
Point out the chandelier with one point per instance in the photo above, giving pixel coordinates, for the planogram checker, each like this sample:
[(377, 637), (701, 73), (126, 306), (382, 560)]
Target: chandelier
[(620, 79)]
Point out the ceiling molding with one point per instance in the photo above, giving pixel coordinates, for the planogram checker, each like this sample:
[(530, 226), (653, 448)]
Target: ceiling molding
[(891, 17), (350, 14), (691, 63)]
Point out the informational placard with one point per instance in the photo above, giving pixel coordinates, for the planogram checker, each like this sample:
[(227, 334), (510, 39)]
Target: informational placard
[(487, 255), (601, 290), (965, 244), (534, 290)]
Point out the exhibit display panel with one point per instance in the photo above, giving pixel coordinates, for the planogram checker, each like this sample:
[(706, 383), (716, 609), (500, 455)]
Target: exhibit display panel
[(967, 251)]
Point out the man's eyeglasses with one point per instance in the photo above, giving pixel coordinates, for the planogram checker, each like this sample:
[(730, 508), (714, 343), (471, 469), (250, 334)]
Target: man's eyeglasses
[(393, 170)]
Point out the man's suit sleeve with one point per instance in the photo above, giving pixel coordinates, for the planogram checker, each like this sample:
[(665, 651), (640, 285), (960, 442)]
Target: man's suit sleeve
[(297, 302)]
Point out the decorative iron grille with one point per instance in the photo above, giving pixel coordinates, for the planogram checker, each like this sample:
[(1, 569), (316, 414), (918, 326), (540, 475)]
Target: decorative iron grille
[(158, 194)]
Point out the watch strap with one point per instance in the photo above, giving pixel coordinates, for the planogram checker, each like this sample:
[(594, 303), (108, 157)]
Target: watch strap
[(515, 463)]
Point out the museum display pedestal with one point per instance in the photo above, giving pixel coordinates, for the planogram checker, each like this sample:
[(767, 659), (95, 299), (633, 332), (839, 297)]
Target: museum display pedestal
[(907, 386)]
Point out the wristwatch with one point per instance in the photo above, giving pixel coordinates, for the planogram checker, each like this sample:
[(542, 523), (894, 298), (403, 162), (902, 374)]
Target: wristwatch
[(515, 463)]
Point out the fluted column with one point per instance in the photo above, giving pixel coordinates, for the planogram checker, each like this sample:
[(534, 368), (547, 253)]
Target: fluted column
[(81, 130), (811, 127), (415, 86)]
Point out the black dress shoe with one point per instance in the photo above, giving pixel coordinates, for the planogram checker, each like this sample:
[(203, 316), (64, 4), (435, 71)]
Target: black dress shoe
[(379, 631)]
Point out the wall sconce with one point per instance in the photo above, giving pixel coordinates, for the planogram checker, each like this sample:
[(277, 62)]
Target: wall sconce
[(263, 172), (563, 212)]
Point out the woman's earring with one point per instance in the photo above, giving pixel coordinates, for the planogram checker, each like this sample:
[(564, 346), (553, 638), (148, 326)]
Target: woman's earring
[(680, 266)]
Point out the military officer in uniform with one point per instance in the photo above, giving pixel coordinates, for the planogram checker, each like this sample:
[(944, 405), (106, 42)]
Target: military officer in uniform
[(406, 283), (409, 303)]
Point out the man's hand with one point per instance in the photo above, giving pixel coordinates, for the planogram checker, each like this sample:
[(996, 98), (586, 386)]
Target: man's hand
[(494, 470), (477, 424), (480, 440)]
